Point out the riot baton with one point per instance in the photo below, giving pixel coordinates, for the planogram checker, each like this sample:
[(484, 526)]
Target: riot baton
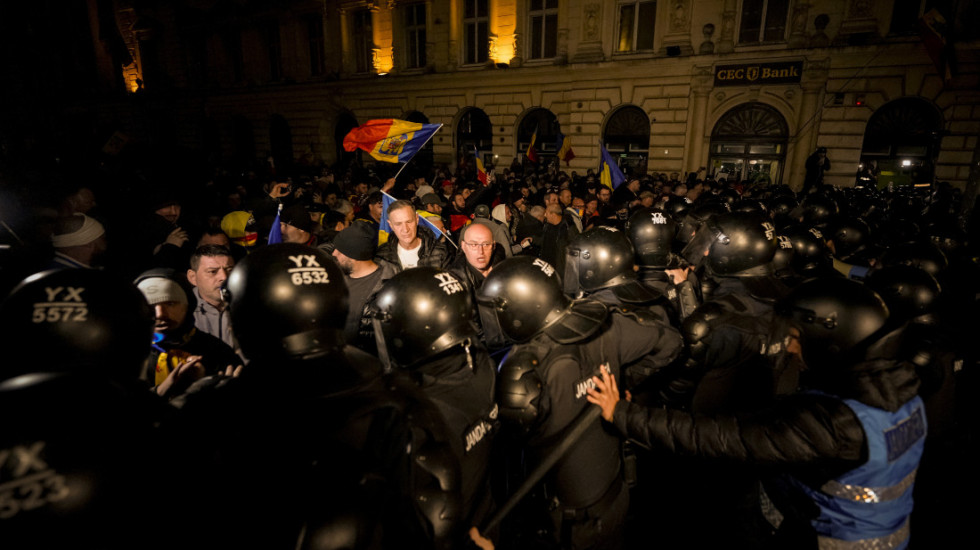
[(572, 434)]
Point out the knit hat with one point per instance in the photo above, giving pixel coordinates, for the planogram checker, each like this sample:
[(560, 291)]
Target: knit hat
[(424, 190), (87, 232), (157, 290), (357, 242), (432, 198), (297, 216), (240, 227)]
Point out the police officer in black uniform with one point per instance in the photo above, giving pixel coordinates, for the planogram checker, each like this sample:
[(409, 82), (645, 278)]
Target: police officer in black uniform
[(599, 265), (652, 232), (425, 318), (82, 463), (311, 447), (542, 387)]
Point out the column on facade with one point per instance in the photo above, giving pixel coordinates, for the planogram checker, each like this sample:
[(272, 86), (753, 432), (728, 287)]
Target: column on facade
[(679, 28), (382, 51), (697, 115), (797, 33), (726, 43), (562, 51), (455, 23), (589, 48), (806, 136), (503, 29), (346, 55)]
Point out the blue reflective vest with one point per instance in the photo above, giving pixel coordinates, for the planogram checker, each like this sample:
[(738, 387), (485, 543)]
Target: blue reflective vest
[(869, 506)]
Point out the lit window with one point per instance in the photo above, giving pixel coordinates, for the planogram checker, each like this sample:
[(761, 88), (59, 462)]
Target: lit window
[(415, 34), (543, 16), (636, 24), (763, 21), (476, 39)]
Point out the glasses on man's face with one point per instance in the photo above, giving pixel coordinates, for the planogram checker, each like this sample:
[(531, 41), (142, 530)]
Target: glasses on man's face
[(478, 245)]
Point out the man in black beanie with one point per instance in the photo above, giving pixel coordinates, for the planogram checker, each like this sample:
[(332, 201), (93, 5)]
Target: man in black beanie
[(354, 250), (297, 225)]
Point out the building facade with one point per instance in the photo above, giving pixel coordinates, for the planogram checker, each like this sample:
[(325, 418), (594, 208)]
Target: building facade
[(746, 87)]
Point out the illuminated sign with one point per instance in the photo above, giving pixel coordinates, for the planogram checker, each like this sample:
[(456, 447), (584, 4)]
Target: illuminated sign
[(758, 73)]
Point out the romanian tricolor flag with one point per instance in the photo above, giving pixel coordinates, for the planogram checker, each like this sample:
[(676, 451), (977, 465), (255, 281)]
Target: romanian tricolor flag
[(481, 172), (609, 173), (390, 139), (532, 153), (564, 148)]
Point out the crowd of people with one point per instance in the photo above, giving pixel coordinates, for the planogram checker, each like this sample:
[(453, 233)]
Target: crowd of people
[(538, 361)]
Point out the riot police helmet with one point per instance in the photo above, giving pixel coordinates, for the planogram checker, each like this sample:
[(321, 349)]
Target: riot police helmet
[(908, 291), (734, 245), (599, 258), (819, 209), (921, 254), (851, 238), (77, 320), (652, 232), (423, 312), (837, 317), (697, 217), (288, 301), (526, 295)]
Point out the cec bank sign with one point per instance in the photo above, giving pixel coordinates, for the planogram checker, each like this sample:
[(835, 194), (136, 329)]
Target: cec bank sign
[(758, 73)]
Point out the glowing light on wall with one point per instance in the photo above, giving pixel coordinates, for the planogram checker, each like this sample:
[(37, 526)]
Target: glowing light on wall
[(383, 60), (502, 48)]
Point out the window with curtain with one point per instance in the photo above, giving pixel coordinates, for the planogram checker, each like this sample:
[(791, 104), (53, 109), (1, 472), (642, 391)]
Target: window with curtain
[(636, 23)]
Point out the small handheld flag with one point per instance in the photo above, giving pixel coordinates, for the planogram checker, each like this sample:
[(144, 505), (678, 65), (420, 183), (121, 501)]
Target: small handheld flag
[(532, 153), (275, 233), (481, 172), (564, 148), (609, 173), (390, 139)]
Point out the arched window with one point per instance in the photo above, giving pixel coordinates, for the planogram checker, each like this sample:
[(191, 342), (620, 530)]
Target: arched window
[(901, 141), (474, 130), (627, 138), (749, 143), (546, 124)]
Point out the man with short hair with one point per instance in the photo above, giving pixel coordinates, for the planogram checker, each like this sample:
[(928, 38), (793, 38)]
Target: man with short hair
[(297, 225), (410, 248), (78, 242), (473, 265), (176, 339), (604, 194), (354, 249), (210, 267), (432, 203)]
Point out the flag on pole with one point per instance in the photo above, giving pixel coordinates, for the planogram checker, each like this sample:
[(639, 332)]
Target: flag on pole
[(934, 32), (436, 232), (383, 228), (275, 232), (532, 153), (609, 173), (481, 172), (389, 139), (564, 148)]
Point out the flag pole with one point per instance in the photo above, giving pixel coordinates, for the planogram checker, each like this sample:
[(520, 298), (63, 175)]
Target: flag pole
[(424, 143)]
